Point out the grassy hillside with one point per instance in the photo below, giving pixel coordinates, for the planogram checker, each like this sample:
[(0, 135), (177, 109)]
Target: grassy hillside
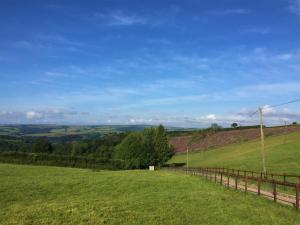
[(206, 139), (51, 195), (282, 155)]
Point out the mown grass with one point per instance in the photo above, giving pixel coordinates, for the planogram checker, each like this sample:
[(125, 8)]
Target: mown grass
[(52, 195), (282, 155)]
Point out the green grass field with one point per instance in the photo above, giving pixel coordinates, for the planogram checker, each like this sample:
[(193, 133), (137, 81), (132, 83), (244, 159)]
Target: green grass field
[(282, 155), (52, 195)]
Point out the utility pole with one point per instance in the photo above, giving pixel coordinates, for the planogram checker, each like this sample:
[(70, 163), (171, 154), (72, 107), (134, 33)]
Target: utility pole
[(187, 156), (262, 140), (286, 132)]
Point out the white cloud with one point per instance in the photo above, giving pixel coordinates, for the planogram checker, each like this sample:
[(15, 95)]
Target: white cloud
[(33, 115), (211, 117), (268, 110), (120, 18), (42, 115)]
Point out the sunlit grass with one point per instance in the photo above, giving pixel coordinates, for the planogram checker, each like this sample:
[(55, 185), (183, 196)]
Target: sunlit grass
[(52, 195), (282, 155)]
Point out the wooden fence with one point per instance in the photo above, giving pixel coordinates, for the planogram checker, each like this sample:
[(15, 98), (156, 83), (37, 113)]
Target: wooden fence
[(283, 188)]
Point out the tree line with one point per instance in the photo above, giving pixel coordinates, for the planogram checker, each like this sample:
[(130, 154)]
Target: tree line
[(131, 150)]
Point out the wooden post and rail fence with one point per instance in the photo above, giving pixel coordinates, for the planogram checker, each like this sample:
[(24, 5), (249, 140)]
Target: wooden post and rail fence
[(283, 188)]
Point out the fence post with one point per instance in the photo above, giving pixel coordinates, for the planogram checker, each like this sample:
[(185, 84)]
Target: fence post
[(221, 182), (284, 180), (297, 197), (274, 191), (258, 186), (215, 176), (236, 182), (228, 180), (246, 184)]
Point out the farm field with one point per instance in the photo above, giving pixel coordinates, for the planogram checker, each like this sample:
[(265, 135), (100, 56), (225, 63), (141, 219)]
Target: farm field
[(60, 130), (282, 155), (53, 195)]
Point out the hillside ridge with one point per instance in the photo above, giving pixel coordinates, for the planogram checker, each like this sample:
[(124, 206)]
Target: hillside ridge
[(223, 138)]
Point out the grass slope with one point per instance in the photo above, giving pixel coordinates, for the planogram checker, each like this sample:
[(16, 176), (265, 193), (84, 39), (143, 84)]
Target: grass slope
[(52, 195), (282, 155)]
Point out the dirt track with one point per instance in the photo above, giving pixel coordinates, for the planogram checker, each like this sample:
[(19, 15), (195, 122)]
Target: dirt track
[(227, 137)]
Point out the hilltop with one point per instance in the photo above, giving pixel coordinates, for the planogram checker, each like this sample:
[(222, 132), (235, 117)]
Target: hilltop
[(282, 155), (224, 137)]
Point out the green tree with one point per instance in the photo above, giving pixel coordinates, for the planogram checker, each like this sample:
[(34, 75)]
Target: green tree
[(141, 149), (234, 125), (162, 145), (215, 127), (131, 150), (79, 148), (42, 145), (149, 140)]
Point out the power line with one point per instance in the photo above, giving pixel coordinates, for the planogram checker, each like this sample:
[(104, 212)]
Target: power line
[(285, 103), (272, 106), (250, 115)]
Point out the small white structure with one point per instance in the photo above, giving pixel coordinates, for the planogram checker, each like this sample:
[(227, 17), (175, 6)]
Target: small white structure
[(151, 168)]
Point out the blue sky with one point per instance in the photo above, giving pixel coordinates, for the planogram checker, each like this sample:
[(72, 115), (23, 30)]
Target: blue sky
[(180, 63)]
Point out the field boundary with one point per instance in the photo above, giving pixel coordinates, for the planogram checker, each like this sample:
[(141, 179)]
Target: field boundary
[(281, 188)]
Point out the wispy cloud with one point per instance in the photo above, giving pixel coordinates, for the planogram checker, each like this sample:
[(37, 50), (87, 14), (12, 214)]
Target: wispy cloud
[(58, 39), (257, 30), (234, 11), (22, 44), (120, 18), (272, 88), (294, 7), (49, 115), (49, 42)]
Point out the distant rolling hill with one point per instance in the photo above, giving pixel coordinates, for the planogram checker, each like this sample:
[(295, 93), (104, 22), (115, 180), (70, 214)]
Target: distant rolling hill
[(64, 131), (67, 133)]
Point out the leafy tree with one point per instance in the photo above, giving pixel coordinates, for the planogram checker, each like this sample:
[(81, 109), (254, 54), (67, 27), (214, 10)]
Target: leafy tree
[(42, 145), (79, 148), (104, 152), (162, 145), (149, 142), (131, 150), (141, 149), (294, 123), (62, 148), (215, 127), (234, 125)]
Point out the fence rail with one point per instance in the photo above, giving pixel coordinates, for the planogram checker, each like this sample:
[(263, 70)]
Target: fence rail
[(283, 188)]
